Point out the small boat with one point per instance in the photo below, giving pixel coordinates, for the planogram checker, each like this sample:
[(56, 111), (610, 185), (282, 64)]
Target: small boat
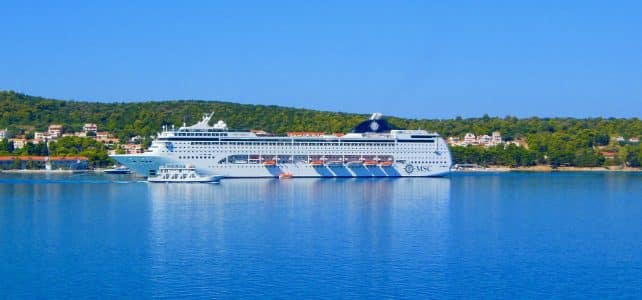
[(179, 173), (285, 175), (385, 163), (118, 170), (370, 163), (269, 163), (316, 163)]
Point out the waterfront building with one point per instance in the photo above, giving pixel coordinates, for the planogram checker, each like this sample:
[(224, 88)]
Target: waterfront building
[(371, 149)]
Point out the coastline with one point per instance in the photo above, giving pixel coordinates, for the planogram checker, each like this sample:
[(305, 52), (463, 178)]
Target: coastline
[(543, 168), (47, 171)]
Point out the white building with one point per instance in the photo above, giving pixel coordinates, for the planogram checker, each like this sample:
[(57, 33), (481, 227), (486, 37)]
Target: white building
[(484, 140), (470, 139), (18, 143), (90, 127), (496, 138), (54, 130), (4, 133), (40, 137)]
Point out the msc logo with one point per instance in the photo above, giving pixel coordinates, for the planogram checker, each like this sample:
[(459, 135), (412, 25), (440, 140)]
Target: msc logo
[(410, 168)]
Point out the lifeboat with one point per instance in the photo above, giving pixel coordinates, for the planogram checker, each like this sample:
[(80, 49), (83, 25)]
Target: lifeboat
[(285, 175), (316, 163), (269, 163), (385, 163), (370, 163)]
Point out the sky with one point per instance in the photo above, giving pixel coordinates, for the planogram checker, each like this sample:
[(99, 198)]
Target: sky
[(416, 59)]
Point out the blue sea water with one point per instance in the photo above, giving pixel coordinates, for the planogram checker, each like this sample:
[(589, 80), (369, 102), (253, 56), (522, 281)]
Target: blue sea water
[(514, 235)]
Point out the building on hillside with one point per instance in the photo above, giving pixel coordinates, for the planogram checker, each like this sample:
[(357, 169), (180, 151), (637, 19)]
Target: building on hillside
[(18, 142), (484, 140), (620, 139), (106, 137), (90, 127), (470, 139), (496, 138), (4, 134), (55, 130), (634, 140), (608, 154), (40, 137), (136, 139), (132, 148), (454, 140)]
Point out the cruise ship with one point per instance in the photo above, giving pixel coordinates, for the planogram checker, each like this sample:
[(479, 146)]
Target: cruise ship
[(373, 148)]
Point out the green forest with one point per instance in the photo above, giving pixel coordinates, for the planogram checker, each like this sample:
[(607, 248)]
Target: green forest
[(551, 141)]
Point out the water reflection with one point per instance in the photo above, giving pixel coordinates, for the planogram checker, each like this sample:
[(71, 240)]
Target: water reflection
[(328, 225)]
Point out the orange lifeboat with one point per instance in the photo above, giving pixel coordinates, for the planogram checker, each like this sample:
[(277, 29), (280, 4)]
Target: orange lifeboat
[(370, 163), (386, 163), (269, 163), (285, 175), (316, 163)]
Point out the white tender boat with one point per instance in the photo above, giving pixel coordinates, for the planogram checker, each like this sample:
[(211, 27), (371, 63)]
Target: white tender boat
[(180, 173), (118, 170)]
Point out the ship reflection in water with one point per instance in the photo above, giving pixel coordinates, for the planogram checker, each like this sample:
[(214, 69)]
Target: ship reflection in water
[(292, 232)]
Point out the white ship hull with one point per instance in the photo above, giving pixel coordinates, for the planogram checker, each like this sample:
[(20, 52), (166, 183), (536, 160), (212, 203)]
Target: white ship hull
[(144, 163)]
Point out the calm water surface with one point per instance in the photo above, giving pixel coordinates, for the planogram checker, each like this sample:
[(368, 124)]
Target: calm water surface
[(467, 236)]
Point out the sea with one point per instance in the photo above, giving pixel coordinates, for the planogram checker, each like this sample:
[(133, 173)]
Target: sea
[(465, 236)]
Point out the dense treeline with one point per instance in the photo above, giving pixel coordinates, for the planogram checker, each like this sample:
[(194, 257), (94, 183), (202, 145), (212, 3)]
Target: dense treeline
[(555, 141)]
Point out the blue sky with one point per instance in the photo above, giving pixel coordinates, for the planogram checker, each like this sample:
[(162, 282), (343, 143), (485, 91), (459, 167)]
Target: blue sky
[(423, 59)]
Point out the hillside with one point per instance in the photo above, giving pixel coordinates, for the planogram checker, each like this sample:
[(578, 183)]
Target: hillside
[(556, 141), (126, 119)]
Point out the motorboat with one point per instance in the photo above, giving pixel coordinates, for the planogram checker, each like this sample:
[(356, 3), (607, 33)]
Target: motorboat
[(118, 170)]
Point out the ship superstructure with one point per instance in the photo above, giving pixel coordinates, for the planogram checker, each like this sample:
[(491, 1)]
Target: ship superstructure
[(372, 149)]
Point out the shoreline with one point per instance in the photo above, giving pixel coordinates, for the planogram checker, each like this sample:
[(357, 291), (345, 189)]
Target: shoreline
[(544, 169), (45, 171)]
